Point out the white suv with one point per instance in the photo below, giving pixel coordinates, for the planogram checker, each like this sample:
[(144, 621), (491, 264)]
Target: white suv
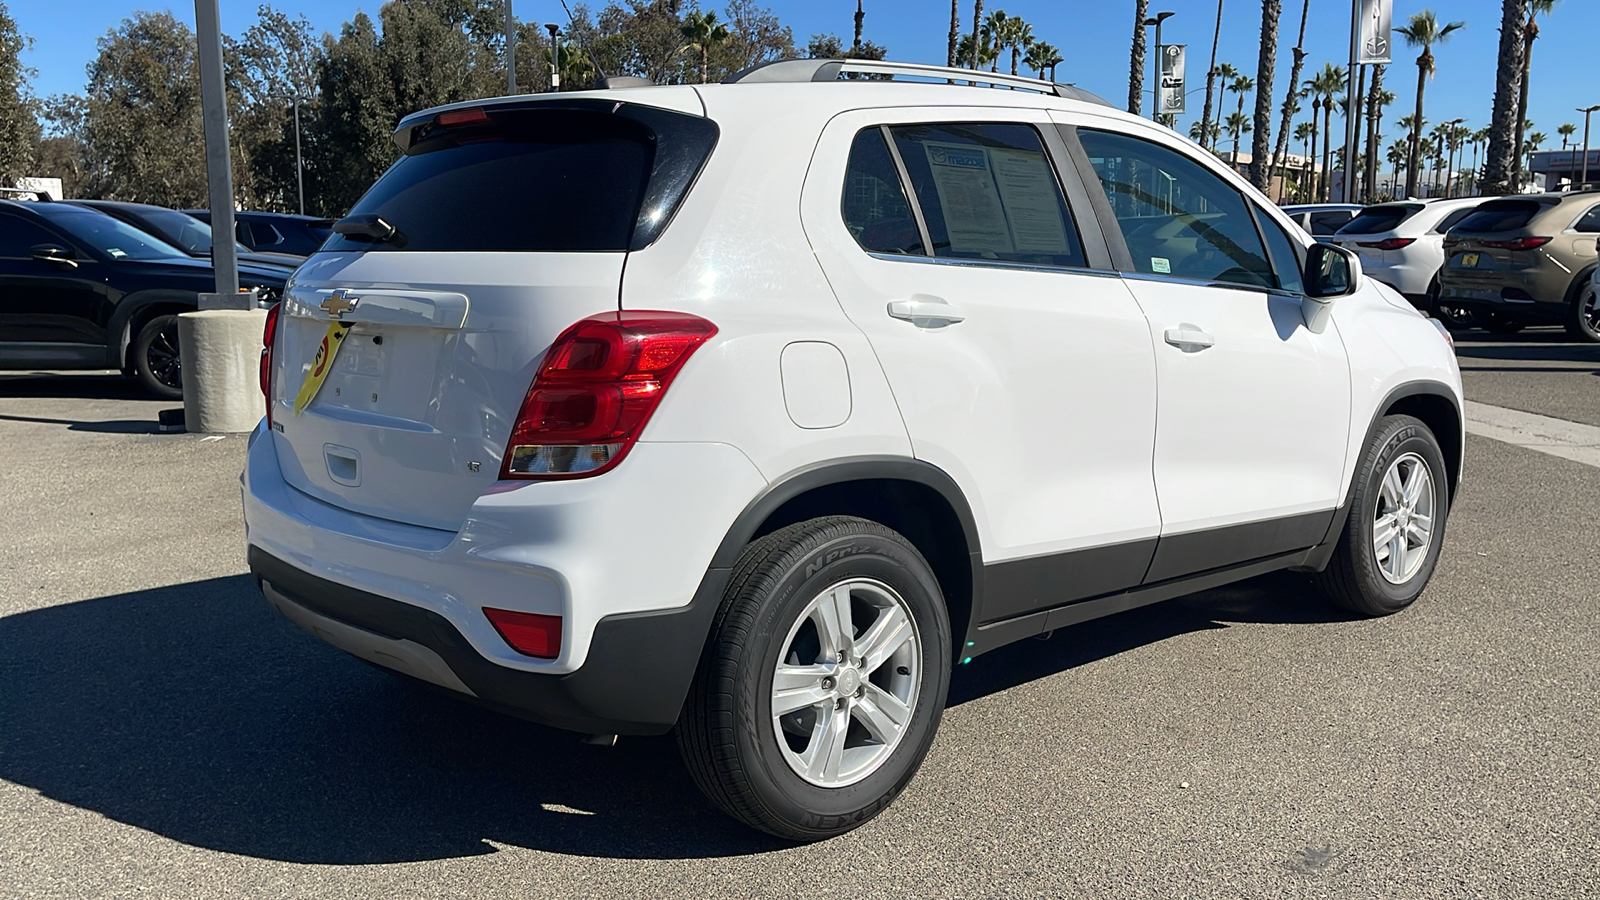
[(755, 409), (1402, 244)]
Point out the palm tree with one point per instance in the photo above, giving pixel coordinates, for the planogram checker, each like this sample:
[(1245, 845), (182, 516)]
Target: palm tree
[(1316, 110), (1043, 56), (1566, 130), (1327, 83), (955, 32), (997, 30), (1422, 30), (702, 31), (1211, 74), (1021, 40), (976, 49), (1290, 104), (1266, 70), (1241, 86), (1226, 73), (1203, 132), (1305, 133), (1141, 11), (1478, 139), (1238, 124), (1531, 145), (1377, 99), (1397, 156), (1530, 33)]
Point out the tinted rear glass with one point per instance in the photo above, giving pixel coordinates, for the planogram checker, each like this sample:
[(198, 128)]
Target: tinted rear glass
[(552, 179), (1376, 219), (1499, 215)]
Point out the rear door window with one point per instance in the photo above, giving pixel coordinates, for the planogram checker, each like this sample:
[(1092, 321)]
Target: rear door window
[(987, 191), (18, 237), (1451, 221), (1499, 215), (581, 176), (1330, 220), (1378, 219), (874, 203), (1178, 218), (1589, 222)]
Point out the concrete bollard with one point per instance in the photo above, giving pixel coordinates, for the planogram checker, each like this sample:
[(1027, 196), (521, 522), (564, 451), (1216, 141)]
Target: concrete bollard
[(222, 369)]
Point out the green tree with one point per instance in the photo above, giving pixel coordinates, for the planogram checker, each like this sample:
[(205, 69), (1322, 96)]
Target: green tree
[(755, 36), (1291, 96), (351, 145), (1326, 85), (269, 68), (19, 122), (1226, 74), (1566, 130), (1423, 30), (1238, 124), (703, 32), (1042, 56)]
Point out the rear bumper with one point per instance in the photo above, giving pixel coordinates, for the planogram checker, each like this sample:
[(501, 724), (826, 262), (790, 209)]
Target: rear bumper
[(634, 681)]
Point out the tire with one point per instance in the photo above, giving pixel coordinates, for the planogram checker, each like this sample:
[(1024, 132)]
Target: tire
[(157, 358), (773, 773), (1583, 311), (1356, 578), (1455, 318), (1500, 323)]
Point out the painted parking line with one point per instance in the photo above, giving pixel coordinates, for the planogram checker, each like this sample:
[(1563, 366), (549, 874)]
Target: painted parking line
[(1557, 437)]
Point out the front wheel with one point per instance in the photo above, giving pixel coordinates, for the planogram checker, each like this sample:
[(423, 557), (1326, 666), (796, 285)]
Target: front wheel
[(156, 359), (823, 681), (1583, 313), (1398, 506)]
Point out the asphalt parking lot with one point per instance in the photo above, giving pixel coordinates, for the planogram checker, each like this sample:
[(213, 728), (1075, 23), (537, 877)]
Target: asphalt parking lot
[(163, 733)]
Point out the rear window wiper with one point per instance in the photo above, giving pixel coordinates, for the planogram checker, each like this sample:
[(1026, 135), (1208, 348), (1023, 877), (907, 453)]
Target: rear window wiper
[(371, 227)]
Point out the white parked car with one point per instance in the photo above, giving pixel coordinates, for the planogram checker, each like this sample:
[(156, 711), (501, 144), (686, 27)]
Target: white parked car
[(756, 409), (1402, 244)]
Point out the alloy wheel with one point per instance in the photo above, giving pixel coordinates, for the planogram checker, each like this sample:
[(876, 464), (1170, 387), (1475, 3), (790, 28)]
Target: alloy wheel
[(162, 357), (846, 683), (1402, 528)]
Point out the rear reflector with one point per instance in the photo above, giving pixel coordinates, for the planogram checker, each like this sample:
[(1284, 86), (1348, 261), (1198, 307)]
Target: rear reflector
[(1388, 244), (596, 389), (530, 634)]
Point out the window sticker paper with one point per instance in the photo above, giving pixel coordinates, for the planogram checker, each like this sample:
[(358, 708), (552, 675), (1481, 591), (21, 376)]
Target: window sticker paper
[(1028, 192), (974, 216)]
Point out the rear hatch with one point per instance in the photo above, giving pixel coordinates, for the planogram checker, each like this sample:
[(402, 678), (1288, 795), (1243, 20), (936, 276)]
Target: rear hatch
[(1372, 233), (501, 226), (1489, 244)]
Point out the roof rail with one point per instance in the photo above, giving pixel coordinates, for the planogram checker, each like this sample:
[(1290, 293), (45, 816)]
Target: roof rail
[(37, 195), (802, 70)]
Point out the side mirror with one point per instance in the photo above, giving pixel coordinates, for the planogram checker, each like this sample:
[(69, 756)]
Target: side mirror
[(1331, 271), (54, 253)]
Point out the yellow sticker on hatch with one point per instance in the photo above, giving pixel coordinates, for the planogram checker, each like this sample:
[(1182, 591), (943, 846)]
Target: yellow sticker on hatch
[(321, 364)]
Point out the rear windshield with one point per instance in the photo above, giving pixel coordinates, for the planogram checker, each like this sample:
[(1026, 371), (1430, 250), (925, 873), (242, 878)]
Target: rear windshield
[(579, 177), (1499, 215), (1376, 219)]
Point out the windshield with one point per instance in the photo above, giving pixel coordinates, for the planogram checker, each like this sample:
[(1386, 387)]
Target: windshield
[(112, 237), (182, 229), (1499, 215)]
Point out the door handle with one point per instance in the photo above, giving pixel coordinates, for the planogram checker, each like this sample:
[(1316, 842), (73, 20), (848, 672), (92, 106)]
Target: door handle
[(1188, 338), (925, 311)]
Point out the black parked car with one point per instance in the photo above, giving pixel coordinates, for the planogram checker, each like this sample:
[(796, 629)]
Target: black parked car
[(82, 290), (182, 230), (276, 232)]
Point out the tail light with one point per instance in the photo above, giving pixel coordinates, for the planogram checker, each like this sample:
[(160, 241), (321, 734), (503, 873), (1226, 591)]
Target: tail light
[(596, 389), (269, 336), (530, 634), (1388, 243), (1522, 243), (1451, 243)]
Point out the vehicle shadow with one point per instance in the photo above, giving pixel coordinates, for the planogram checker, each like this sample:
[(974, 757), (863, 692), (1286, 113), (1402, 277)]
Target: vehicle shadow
[(118, 426), (78, 385), (196, 713)]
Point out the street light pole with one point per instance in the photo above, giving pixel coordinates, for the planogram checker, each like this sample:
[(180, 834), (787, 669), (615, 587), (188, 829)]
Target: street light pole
[(555, 56), (1155, 76), (511, 51), (299, 166), (1586, 111)]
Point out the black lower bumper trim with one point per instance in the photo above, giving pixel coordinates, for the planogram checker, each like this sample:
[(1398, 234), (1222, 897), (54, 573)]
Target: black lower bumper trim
[(633, 681)]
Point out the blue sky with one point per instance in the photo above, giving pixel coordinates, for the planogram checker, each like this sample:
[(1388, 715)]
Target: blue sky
[(1094, 36)]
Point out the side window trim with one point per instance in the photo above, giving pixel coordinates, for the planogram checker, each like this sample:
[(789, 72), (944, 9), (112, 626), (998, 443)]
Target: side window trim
[(1104, 216), (910, 192), (1091, 231)]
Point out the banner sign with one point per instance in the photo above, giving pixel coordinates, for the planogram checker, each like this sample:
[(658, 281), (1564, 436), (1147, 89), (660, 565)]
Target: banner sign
[(1376, 24), (1172, 78)]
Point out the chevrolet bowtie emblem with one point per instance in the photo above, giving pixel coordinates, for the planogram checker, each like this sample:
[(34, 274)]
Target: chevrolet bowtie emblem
[(339, 302)]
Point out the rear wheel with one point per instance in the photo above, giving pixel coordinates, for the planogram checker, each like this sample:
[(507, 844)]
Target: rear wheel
[(1392, 536), (1583, 312), (157, 362), (823, 682), (1455, 318)]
